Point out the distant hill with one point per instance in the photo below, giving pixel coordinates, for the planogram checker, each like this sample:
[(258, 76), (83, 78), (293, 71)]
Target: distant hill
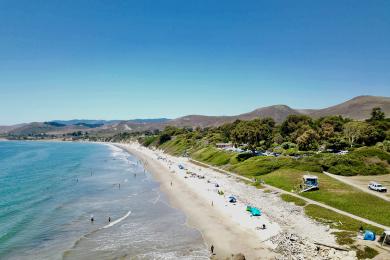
[(85, 121), (277, 112), (108, 122), (149, 120), (358, 108), (7, 128)]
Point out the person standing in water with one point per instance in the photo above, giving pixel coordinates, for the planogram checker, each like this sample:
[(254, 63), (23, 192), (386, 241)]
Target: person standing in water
[(92, 219), (109, 219)]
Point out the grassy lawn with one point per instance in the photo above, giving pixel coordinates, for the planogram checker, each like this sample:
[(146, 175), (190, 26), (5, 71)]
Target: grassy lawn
[(261, 165), (176, 146), (213, 156), (366, 252), (334, 193), (295, 200), (336, 220), (348, 228)]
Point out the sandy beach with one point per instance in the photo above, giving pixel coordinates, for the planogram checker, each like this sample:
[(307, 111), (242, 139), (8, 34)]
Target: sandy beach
[(228, 226)]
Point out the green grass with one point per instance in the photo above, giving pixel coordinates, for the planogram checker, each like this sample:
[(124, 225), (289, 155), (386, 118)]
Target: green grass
[(366, 252), (336, 220), (348, 228), (176, 146), (213, 156), (334, 193), (345, 237), (150, 140), (260, 165), (295, 200)]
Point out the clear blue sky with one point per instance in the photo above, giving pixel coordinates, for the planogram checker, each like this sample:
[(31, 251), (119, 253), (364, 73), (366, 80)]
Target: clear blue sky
[(142, 59)]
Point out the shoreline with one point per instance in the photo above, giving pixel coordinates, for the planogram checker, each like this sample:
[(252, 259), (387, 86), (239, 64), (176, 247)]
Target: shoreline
[(228, 226), (217, 229)]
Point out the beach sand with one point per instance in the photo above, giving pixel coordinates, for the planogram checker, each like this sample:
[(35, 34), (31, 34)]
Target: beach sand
[(217, 229), (228, 226)]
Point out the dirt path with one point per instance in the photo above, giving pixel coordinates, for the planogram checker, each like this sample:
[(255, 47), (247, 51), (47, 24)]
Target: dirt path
[(361, 187), (298, 196)]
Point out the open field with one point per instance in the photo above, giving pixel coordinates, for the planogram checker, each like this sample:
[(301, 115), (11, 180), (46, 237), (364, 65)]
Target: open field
[(362, 182), (295, 200), (334, 193), (346, 231)]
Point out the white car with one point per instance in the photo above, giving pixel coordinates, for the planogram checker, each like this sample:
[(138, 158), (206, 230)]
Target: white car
[(377, 187)]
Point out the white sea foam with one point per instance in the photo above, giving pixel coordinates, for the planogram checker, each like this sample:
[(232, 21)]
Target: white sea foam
[(118, 220)]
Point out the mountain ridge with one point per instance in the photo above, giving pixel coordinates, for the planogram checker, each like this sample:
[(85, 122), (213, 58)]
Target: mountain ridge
[(358, 108)]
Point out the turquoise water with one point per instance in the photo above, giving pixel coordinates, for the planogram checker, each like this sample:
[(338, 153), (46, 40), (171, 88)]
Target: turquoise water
[(49, 191)]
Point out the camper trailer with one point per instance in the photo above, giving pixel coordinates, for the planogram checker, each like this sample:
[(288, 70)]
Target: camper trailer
[(310, 182), (385, 238)]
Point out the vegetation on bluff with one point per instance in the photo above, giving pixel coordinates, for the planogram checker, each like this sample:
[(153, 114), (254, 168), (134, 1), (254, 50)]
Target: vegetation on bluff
[(301, 142)]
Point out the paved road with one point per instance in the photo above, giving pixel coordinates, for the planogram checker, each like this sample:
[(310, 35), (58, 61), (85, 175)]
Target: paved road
[(298, 196), (365, 189)]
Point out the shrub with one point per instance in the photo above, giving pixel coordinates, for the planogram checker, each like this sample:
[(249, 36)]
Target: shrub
[(244, 156), (148, 140), (163, 138)]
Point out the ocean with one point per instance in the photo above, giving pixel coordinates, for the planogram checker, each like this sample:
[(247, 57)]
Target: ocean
[(49, 191)]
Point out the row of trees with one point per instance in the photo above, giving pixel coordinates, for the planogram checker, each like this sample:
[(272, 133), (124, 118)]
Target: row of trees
[(333, 132)]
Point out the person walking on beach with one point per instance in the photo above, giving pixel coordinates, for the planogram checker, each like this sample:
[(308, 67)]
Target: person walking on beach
[(212, 249), (212, 203), (171, 183)]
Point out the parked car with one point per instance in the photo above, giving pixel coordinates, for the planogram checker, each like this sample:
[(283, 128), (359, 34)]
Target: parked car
[(377, 187)]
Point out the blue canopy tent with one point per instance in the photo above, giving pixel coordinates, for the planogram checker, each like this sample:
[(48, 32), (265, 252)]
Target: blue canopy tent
[(254, 211), (232, 199), (369, 235)]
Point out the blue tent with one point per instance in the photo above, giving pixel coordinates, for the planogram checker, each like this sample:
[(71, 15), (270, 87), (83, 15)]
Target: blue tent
[(254, 211), (232, 199), (369, 235)]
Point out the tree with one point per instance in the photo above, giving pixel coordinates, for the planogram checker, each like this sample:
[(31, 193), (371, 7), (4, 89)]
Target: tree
[(308, 140), (295, 125), (377, 114), (327, 130), (254, 133), (353, 131), (372, 135)]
